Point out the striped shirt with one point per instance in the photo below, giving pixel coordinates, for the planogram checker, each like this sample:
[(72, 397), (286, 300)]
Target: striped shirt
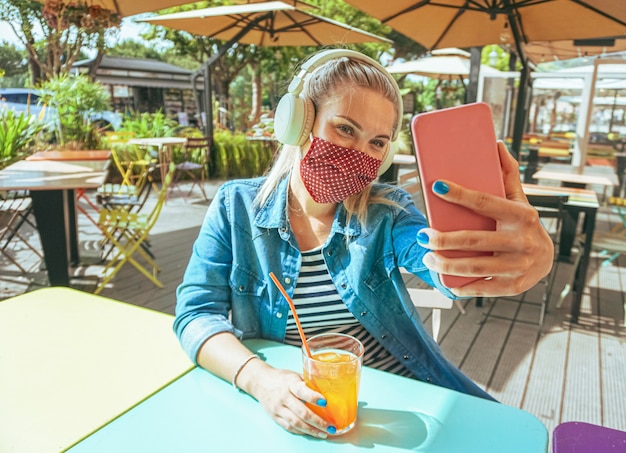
[(321, 310)]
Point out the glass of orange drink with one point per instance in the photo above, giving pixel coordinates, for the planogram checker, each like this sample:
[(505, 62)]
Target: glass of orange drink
[(334, 370)]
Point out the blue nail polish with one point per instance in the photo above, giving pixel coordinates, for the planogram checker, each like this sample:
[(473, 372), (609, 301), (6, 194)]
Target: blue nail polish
[(321, 402), (422, 238), (331, 430), (440, 187)]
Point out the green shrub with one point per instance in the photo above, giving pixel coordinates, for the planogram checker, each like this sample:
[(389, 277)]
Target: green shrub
[(17, 133), (76, 99), (150, 125), (234, 156)]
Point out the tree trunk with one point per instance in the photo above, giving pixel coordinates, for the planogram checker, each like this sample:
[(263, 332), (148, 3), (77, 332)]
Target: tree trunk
[(257, 96)]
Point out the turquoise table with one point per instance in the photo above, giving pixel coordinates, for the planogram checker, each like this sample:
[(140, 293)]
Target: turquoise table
[(199, 412)]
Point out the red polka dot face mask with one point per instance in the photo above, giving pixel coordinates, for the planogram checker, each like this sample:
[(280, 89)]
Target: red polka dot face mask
[(331, 173)]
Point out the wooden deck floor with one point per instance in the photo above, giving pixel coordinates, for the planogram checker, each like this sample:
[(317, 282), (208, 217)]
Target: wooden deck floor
[(566, 372)]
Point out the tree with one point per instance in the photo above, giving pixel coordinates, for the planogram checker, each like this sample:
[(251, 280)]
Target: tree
[(13, 66), (134, 49), (268, 69), (65, 29)]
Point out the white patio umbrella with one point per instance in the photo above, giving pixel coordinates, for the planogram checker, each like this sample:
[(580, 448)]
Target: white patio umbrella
[(439, 65), (442, 64)]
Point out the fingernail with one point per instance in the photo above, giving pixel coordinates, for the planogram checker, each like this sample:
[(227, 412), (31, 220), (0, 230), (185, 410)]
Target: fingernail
[(331, 430), (321, 402), (422, 238), (428, 260), (440, 187)]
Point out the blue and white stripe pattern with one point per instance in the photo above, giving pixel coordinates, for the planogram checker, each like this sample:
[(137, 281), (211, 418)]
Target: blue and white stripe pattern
[(321, 310)]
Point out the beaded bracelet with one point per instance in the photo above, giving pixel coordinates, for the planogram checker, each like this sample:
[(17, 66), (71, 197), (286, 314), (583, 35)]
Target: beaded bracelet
[(245, 362)]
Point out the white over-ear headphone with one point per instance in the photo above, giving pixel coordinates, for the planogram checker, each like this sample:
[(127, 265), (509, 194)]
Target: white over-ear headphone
[(294, 116)]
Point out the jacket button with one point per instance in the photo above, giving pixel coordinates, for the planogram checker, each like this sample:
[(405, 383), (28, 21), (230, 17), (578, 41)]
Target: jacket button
[(344, 286), (241, 288), (428, 379), (406, 357), (330, 252), (287, 280), (279, 315), (383, 336), (363, 313)]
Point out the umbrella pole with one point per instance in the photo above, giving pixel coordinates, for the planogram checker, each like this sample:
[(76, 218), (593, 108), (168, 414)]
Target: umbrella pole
[(520, 112), (208, 96), (521, 109)]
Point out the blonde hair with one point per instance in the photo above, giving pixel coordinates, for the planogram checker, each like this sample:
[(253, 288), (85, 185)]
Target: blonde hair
[(319, 87)]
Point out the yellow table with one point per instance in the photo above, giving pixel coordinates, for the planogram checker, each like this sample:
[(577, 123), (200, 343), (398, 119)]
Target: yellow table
[(70, 362)]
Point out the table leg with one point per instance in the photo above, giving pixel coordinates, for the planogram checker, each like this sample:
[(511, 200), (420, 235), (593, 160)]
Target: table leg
[(568, 233), (580, 279), (72, 227), (50, 210), (165, 157)]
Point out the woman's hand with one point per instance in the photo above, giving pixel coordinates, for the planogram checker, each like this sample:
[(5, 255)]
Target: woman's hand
[(523, 250), (282, 394)]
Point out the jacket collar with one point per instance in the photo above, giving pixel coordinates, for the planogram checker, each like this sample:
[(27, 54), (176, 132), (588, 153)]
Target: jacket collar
[(273, 214)]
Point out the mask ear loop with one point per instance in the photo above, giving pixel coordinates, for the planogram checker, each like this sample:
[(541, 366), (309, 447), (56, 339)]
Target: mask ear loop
[(310, 141)]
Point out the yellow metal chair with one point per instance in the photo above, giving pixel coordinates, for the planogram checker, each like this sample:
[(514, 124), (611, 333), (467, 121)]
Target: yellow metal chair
[(133, 164), (124, 198), (15, 211), (127, 231)]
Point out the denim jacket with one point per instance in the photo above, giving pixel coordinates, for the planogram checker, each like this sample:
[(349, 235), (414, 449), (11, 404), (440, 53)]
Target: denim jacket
[(226, 286)]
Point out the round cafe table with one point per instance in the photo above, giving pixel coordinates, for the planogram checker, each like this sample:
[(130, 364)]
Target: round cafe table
[(164, 149)]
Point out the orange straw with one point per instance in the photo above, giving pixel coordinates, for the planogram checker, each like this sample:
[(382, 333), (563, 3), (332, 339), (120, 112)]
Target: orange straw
[(293, 310)]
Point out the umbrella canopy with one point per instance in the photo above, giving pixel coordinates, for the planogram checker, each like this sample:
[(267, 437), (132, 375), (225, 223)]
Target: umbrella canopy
[(544, 51), (467, 23), (130, 7), (278, 24)]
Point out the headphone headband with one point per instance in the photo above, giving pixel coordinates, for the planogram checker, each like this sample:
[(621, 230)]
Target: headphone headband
[(309, 66)]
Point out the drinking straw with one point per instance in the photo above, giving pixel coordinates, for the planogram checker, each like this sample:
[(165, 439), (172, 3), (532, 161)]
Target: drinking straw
[(295, 315)]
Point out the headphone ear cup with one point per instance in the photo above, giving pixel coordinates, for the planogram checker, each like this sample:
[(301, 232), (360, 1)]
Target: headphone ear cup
[(293, 119)]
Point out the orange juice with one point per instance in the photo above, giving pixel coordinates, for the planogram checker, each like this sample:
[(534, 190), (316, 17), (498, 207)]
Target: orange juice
[(335, 373)]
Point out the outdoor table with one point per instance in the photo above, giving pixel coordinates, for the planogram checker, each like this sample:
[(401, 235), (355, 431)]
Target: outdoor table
[(163, 146), (570, 175), (580, 201), (51, 184), (70, 362), (200, 412), (97, 154)]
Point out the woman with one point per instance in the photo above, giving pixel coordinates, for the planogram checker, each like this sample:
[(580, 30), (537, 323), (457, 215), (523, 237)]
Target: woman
[(336, 240)]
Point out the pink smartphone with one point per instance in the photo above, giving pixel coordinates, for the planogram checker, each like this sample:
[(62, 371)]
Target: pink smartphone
[(457, 144)]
